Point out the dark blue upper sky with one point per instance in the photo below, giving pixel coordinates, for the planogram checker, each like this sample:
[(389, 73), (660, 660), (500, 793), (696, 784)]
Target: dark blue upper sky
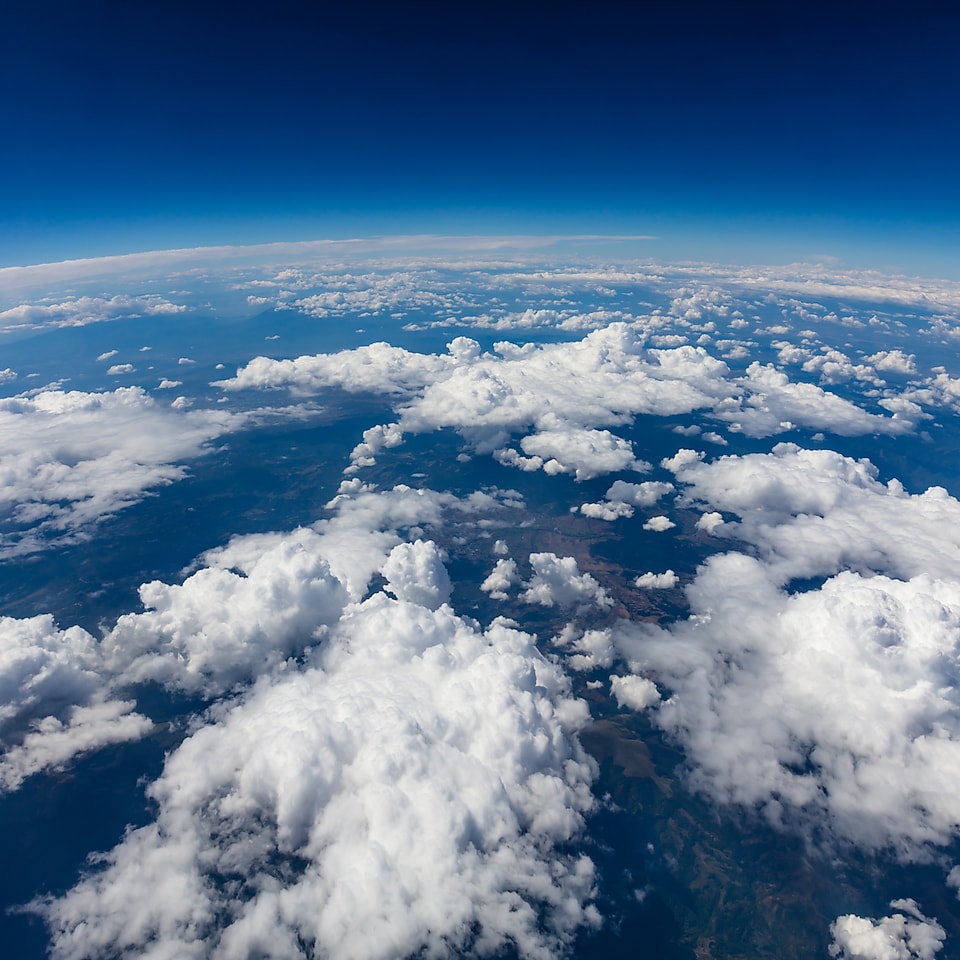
[(795, 124)]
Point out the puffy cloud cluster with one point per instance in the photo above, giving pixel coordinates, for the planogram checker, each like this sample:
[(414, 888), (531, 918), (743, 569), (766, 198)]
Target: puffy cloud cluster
[(557, 581), (562, 396), (814, 512), (608, 510), (69, 458), (377, 368), (52, 743), (634, 692), (387, 779), (584, 453), (219, 629), (832, 709), (657, 581), (659, 524), (223, 627), (53, 705), (940, 390), (836, 709), (79, 311), (586, 649), (622, 497), (772, 404), (499, 581), (254, 608), (904, 935), (408, 793), (415, 572), (529, 319), (834, 366), (894, 361)]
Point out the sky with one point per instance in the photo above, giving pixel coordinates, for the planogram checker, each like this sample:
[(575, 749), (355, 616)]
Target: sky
[(727, 130)]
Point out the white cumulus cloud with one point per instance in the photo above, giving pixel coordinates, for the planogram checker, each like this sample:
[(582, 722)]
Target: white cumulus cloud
[(68, 458), (415, 572), (904, 935), (557, 581), (411, 792), (222, 627), (500, 579), (634, 692), (659, 524), (657, 581), (53, 703), (833, 710), (562, 398)]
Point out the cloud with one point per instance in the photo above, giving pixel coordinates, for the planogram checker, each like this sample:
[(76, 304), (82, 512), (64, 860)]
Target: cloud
[(499, 581), (223, 627), (584, 453), (415, 572), (43, 666), (557, 581), (529, 319), (774, 404), (657, 581), (644, 494), (51, 743), (834, 366), (905, 935), (682, 458), (70, 459), (415, 791), (7, 375), (634, 692), (286, 604), (254, 608), (659, 524), (377, 368), (586, 649), (941, 390), (710, 522), (375, 439), (561, 398), (393, 780), (80, 311), (894, 361), (53, 705), (604, 379), (834, 711), (120, 368), (814, 512), (606, 510)]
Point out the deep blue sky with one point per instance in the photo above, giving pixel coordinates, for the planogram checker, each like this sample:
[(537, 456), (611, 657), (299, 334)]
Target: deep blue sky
[(784, 127)]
